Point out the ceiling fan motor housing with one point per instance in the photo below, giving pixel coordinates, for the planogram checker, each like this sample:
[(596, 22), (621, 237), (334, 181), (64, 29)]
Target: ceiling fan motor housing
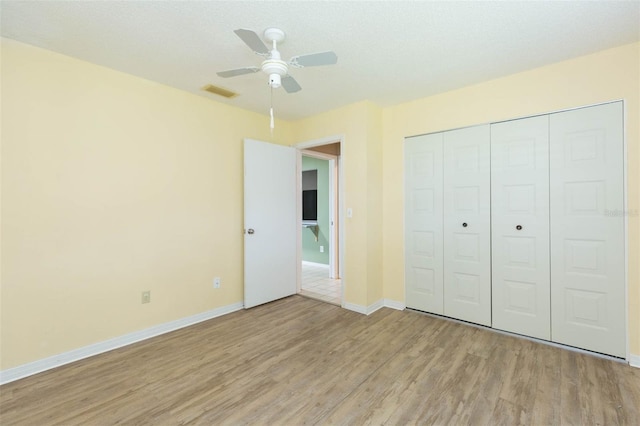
[(276, 68)]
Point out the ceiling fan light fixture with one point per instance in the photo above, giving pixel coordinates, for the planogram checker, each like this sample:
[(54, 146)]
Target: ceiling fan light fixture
[(275, 80)]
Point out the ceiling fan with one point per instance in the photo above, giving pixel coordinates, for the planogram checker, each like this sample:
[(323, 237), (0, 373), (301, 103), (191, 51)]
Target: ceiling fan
[(273, 65)]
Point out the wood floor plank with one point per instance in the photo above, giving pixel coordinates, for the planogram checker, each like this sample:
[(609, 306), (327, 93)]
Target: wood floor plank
[(545, 410), (300, 361), (486, 390), (508, 414)]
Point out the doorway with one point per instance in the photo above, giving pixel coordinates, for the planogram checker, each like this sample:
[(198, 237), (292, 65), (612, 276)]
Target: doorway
[(319, 243)]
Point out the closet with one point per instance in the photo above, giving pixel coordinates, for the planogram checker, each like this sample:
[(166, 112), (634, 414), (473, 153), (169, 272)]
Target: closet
[(519, 225)]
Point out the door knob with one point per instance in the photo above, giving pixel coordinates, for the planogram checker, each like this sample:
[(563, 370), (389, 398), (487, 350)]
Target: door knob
[(464, 224), (519, 227), (250, 231)]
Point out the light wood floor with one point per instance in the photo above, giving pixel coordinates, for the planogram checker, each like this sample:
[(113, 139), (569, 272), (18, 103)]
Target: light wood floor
[(299, 361)]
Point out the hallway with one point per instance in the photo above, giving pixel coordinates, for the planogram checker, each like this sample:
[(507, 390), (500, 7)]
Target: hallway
[(316, 283)]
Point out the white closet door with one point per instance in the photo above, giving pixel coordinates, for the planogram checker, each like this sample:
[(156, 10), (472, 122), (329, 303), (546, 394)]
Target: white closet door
[(467, 234), (587, 229), (520, 226), (423, 223)]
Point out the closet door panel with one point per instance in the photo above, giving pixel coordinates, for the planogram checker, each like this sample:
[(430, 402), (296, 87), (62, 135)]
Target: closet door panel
[(467, 245), (520, 226), (423, 223), (587, 229)]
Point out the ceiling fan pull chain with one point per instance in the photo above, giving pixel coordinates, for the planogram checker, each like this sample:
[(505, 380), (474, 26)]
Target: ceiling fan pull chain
[(271, 111), (271, 119)]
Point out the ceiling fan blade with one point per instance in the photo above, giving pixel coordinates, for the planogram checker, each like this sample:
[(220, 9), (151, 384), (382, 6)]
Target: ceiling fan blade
[(252, 40), (238, 71), (314, 59), (290, 84)]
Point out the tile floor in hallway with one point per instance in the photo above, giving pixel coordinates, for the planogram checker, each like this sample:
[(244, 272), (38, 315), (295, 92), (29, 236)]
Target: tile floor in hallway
[(317, 284)]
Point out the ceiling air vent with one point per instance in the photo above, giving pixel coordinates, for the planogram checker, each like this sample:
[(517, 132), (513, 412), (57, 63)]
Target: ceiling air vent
[(219, 91)]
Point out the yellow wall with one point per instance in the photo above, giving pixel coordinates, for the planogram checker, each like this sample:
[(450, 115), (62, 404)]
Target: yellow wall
[(374, 204), (608, 75), (112, 185)]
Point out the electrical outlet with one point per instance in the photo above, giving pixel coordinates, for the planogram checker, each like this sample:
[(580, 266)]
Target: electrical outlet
[(321, 249), (146, 296), (216, 282)]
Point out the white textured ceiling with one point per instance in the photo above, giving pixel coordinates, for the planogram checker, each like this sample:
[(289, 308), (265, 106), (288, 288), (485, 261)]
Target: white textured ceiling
[(388, 52)]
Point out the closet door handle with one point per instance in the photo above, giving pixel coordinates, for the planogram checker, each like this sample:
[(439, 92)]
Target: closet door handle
[(519, 227), (464, 224)]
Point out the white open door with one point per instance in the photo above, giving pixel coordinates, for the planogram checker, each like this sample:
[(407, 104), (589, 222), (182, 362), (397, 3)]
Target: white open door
[(269, 222)]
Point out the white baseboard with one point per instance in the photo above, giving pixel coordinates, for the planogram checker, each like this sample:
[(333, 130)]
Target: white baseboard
[(394, 304), (25, 370), (375, 306), (368, 310), (634, 360), (365, 310), (355, 308)]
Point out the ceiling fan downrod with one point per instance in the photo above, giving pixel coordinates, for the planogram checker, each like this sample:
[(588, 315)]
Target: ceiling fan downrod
[(275, 67)]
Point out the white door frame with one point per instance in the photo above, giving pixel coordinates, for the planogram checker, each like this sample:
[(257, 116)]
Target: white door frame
[(338, 216)]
